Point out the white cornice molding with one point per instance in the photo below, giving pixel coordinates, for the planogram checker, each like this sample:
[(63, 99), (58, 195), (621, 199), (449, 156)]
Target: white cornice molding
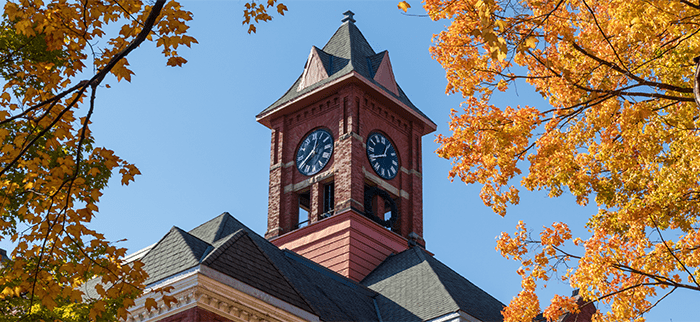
[(220, 294)]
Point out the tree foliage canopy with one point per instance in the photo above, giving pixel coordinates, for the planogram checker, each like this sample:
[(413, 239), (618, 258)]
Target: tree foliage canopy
[(621, 129), (54, 56)]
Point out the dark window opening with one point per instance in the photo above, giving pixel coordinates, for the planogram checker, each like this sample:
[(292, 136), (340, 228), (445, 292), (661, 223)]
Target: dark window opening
[(328, 200), (304, 209), (387, 210)]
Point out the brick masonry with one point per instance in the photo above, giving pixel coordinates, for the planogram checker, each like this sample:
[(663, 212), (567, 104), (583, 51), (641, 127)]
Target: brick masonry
[(350, 113)]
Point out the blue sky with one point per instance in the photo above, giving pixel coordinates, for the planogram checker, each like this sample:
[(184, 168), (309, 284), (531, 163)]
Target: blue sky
[(192, 133)]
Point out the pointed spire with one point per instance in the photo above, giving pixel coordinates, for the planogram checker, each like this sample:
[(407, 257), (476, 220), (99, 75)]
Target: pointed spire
[(348, 16)]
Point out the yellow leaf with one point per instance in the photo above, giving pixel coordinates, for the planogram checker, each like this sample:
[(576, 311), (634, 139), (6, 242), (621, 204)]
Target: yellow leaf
[(281, 8), (403, 5), (151, 304), (176, 61), (531, 42)]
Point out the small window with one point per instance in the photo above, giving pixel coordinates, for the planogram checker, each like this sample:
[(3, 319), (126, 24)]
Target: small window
[(387, 210), (304, 208), (328, 200)]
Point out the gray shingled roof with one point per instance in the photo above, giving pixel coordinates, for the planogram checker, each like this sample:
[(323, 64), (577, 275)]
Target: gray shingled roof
[(417, 287), (227, 246), (177, 251), (239, 257), (409, 286), (331, 296), (345, 52)]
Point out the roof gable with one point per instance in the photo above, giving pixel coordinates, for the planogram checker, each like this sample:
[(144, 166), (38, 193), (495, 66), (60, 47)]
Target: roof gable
[(177, 251), (384, 74), (469, 297), (424, 288), (346, 52), (239, 257), (316, 68), (329, 298), (217, 228)]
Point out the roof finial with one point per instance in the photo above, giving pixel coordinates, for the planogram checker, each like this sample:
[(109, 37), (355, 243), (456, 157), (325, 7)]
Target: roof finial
[(348, 16)]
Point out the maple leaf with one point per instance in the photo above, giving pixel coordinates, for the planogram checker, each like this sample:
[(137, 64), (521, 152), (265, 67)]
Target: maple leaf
[(256, 12), (281, 8), (403, 5)]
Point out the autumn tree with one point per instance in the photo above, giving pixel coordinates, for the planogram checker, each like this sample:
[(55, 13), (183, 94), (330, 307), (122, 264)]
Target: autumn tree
[(54, 57), (621, 129)]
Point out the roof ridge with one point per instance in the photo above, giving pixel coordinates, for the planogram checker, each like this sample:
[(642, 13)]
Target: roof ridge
[(433, 262), (218, 250), (426, 259), (184, 233), (210, 220), (238, 236), (154, 246), (219, 231), (192, 247)]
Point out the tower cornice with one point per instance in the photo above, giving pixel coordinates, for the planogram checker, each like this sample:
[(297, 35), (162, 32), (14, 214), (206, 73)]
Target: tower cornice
[(297, 103)]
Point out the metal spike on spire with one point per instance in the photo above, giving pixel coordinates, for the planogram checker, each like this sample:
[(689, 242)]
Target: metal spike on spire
[(348, 16)]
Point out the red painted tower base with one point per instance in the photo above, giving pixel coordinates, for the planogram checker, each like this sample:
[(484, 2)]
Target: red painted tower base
[(347, 243)]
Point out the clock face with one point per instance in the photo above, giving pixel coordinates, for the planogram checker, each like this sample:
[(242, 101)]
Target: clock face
[(382, 156), (314, 152)]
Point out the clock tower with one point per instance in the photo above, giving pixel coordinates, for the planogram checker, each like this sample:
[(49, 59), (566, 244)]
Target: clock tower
[(345, 159)]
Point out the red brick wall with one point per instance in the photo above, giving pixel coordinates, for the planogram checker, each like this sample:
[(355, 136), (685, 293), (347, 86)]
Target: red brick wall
[(350, 111)]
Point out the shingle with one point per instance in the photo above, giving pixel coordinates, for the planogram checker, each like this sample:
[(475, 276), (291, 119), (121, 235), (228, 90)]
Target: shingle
[(409, 286), (216, 228), (239, 257), (331, 296), (415, 287), (346, 51), (175, 252)]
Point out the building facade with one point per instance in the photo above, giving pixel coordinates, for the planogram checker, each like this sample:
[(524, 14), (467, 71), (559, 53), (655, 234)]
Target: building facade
[(344, 239)]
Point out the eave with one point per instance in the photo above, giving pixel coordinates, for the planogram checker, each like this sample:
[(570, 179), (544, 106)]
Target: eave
[(331, 88)]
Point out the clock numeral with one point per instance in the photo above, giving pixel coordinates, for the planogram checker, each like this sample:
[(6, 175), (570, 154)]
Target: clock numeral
[(300, 157), (328, 146), (393, 170), (376, 166), (325, 155), (307, 168), (394, 162), (320, 163), (314, 136), (382, 172), (371, 149), (383, 140), (393, 154), (313, 169)]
